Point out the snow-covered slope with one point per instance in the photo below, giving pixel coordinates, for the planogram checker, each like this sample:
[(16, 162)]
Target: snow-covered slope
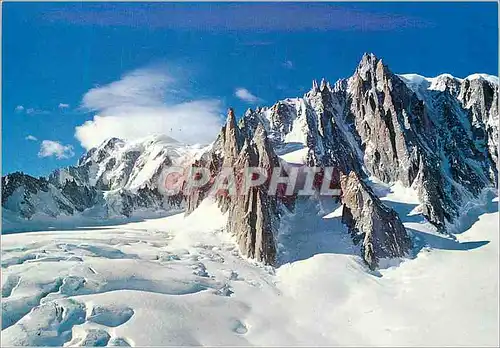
[(443, 81), (117, 164), (181, 281)]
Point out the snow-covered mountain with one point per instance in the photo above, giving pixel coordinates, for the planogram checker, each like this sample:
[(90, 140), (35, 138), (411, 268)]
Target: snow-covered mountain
[(439, 142), (416, 160), (113, 179), (435, 136)]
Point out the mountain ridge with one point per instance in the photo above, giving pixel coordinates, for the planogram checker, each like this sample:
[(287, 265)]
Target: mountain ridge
[(438, 136)]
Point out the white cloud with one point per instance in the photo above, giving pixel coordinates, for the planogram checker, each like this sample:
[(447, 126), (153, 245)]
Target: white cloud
[(33, 111), (245, 95), (30, 111), (31, 138), (63, 106), (50, 148), (288, 64), (136, 106)]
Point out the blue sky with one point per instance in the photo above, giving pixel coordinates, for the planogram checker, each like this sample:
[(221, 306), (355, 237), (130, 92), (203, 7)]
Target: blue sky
[(155, 67)]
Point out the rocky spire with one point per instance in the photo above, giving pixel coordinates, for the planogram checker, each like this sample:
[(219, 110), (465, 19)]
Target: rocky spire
[(370, 222), (405, 139), (224, 153), (315, 86), (232, 139), (266, 155), (367, 64), (323, 85), (253, 216)]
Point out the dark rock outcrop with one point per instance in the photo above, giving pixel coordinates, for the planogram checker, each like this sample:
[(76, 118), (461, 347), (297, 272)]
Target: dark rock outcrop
[(253, 216), (424, 143), (81, 196), (480, 98), (376, 226), (27, 195), (223, 154)]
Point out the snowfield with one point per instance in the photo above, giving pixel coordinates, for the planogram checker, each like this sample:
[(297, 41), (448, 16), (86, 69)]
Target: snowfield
[(181, 281)]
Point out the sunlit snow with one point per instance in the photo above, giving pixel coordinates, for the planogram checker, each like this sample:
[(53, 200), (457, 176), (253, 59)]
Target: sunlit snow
[(181, 281)]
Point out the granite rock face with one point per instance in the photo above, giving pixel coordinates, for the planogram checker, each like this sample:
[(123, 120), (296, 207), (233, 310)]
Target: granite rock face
[(379, 109), (371, 223), (480, 98), (436, 135), (223, 154), (253, 215), (432, 139)]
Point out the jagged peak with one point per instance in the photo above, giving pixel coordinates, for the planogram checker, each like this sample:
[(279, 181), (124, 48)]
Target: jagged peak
[(231, 138), (231, 119), (260, 134), (371, 63), (314, 86), (111, 142), (322, 87), (369, 55), (266, 156), (324, 84), (104, 147), (19, 174), (368, 59)]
